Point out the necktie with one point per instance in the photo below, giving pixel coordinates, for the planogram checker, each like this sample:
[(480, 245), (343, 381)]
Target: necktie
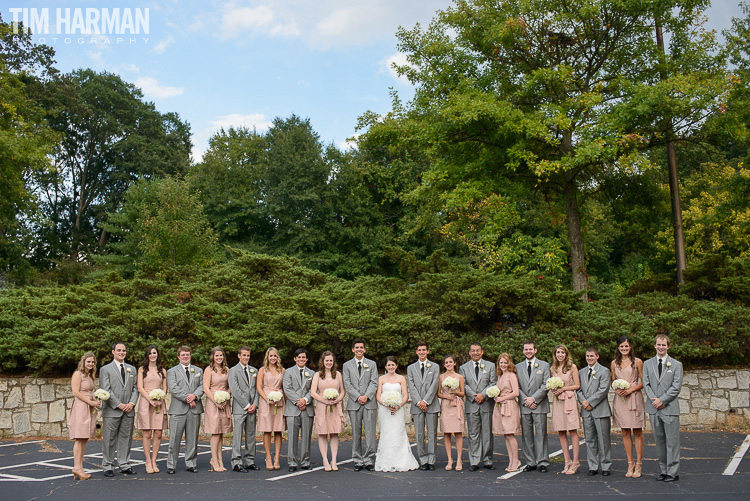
[(247, 375), (476, 369), (122, 372), (422, 369), (660, 367), (359, 368), (590, 371), (187, 373), (528, 369), (301, 377)]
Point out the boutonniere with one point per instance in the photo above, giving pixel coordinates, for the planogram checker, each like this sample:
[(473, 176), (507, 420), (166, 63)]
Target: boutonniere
[(252, 371), (668, 364), (128, 370), (365, 366), (536, 365), (481, 366), (593, 373), (428, 365), (307, 375), (192, 371)]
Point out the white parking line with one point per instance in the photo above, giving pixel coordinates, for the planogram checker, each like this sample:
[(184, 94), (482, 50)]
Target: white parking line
[(514, 473), (23, 443), (735, 462)]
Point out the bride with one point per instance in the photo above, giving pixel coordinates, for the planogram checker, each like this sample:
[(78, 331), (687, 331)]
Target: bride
[(394, 452)]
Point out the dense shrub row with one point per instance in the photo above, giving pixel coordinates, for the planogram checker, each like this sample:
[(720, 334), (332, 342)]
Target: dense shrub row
[(263, 301)]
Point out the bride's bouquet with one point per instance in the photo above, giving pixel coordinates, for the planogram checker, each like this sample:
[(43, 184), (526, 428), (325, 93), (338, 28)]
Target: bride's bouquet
[(221, 396), (330, 394), (555, 383), (492, 392), (391, 399), (157, 394), (620, 384), (275, 397)]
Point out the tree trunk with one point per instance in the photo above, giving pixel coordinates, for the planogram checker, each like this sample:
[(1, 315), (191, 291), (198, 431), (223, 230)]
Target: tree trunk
[(577, 257)]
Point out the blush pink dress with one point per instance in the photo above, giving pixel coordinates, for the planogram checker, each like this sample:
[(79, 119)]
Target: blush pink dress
[(506, 418), (217, 420), (628, 414), (147, 418), (565, 405), (82, 418), (267, 419), (452, 417), (329, 419)]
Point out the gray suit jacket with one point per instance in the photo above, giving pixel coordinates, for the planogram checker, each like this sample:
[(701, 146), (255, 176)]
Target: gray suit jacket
[(110, 379), (423, 388), (534, 387), (595, 391), (180, 388), (667, 388), (295, 388), (356, 385), (243, 394), (472, 386)]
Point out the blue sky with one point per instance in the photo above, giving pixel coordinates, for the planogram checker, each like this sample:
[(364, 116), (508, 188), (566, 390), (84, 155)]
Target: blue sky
[(245, 62)]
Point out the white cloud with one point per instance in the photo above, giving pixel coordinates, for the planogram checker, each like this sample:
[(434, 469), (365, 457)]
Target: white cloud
[(237, 21), (152, 88), (131, 68), (398, 58), (349, 144), (162, 46)]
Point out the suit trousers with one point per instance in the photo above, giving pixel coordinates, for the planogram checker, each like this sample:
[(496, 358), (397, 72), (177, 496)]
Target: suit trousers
[(598, 444), (667, 438), (243, 454), (534, 435), (421, 421), (117, 434), (368, 418), (187, 424), (299, 447), (481, 440)]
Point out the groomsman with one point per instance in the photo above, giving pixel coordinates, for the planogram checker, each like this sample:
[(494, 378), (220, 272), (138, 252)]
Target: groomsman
[(244, 406), (662, 381), (532, 380), (596, 413), (479, 374), (299, 411), (119, 379), (422, 378), (361, 384), (185, 383)]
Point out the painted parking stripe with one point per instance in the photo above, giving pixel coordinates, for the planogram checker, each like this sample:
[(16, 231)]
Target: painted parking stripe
[(22, 443), (735, 462), (514, 473)]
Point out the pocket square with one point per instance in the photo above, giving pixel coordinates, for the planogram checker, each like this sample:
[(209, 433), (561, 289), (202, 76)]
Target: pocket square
[(538, 372)]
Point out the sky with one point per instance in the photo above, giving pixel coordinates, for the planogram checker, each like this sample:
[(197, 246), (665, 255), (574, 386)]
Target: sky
[(245, 62)]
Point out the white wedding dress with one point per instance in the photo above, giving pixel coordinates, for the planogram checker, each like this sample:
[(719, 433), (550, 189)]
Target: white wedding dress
[(394, 452)]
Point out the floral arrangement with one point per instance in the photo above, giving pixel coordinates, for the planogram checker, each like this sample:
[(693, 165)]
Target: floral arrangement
[(221, 396), (330, 394), (555, 383), (275, 397), (450, 383), (157, 394), (492, 392), (101, 395), (391, 398), (620, 384)]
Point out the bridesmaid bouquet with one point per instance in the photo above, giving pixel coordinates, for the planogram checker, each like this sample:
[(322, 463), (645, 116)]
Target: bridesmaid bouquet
[(555, 383), (221, 396), (620, 384), (330, 394), (391, 399), (101, 395), (158, 395), (275, 397), (492, 392), (451, 383)]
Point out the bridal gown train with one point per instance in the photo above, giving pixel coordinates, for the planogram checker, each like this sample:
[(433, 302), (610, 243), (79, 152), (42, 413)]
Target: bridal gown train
[(394, 452)]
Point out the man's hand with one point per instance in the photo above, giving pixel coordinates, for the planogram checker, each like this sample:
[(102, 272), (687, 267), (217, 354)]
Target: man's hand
[(251, 409), (362, 400), (479, 398), (422, 405), (528, 402), (301, 403), (657, 403), (190, 398)]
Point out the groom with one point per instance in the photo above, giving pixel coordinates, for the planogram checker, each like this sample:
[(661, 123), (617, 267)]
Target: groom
[(361, 384), (422, 378), (119, 379)]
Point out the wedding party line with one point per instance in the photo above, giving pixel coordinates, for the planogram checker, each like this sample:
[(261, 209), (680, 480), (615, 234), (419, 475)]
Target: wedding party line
[(484, 398)]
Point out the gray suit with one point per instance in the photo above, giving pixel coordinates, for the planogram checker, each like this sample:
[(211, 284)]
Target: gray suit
[(598, 421), (244, 394), (356, 385), (424, 387), (298, 422), (534, 422), (479, 416), (183, 419), (666, 421), (117, 427)]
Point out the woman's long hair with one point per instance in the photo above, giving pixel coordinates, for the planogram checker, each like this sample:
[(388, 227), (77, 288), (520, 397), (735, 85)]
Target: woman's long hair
[(322, 367), (509, 359), (618, 355), (223, 368), (566, 364), (146, 361), (267, 364), (82, 365)]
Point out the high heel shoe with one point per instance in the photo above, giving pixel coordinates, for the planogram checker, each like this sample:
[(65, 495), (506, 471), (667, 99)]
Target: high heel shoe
[(459, 466), (567, 465), (154, 467), (269, 464), (276, 465), (334, 467), (638, 468), (631, 467), (574, 465), (214, 466), (80, 475), (449, 466), (149, 468), (327, 467)]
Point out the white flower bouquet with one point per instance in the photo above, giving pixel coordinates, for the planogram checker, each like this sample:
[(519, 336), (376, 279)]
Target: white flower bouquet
[(330, 394), (221, 396), (275, 397), (101, 395), (157, 394), (451, 383), (620, 384), (391, 399), (492, 392), (555, 383)]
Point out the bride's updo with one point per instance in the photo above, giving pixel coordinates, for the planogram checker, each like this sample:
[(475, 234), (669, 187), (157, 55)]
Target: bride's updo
[(391, 358)]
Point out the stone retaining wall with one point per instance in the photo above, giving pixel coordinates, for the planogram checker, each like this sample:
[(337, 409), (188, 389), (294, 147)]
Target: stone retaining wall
[(32, 406)]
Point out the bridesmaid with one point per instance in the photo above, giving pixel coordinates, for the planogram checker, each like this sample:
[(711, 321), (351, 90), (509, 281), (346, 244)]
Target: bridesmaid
[(82, 418), (271, 423), (452, 417), (627, 407), (329, 414), (152, 414), (565, 406), (218, 417), (506, 418)]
